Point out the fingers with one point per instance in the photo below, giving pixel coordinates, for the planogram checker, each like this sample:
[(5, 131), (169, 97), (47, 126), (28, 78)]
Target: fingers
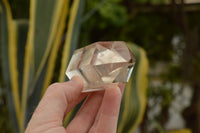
[(52, 107), (59, 95), (106, 120), (86, 115)]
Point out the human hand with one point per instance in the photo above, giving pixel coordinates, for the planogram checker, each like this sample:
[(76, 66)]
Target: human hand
[(99, 113)]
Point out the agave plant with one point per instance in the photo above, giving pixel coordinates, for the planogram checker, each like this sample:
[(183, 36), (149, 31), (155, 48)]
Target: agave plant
[(29, 52), (29, 49)]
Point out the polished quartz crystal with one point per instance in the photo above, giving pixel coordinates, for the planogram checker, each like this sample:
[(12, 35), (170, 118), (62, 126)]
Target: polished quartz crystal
[(101, 65)]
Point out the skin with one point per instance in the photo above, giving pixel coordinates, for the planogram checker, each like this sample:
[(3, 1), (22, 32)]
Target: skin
[(98, 114)]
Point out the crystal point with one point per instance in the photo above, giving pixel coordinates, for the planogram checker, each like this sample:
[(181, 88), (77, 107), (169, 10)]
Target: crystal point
[(102, 64)]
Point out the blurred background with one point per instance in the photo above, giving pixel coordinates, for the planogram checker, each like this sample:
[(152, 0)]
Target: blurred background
[(169, 32)]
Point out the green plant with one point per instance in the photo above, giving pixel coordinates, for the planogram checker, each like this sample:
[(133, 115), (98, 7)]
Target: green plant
[(134, 100), (29, 49)]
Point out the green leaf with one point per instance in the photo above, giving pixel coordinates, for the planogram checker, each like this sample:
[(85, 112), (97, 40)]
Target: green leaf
[(0, 9), (56, 45), (134, 99), (21, 35), (72, 35), (9, 59), (71, 40), (44, 25)]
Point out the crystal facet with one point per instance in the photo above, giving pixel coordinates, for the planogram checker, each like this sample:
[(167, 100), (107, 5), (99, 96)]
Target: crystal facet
[(102, 64)]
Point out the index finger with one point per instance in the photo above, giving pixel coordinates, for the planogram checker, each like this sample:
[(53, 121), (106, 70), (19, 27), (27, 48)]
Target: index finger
[(107, 118)]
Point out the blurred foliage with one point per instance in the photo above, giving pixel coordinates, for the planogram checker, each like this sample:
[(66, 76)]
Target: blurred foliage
[(20, 8), (181, 131), (168, 34), (143, 29), (111, 11), (5, 125), (161, 95), (153, 30)]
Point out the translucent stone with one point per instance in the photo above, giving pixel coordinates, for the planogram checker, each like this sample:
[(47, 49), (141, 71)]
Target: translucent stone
[(102, 64)]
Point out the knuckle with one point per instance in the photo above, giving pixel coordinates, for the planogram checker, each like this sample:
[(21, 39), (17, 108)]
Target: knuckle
[(53, 86)]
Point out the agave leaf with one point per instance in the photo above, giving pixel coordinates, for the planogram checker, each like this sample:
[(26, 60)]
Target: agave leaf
[(72, 35), (44, 20), (21, 35), (9, 59), (70, 45), (4, 44), (54, 51), (134, 100), (0, 9), (44, 23)]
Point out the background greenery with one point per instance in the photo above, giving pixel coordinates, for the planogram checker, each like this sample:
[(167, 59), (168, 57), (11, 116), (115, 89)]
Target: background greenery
[(169, 31)]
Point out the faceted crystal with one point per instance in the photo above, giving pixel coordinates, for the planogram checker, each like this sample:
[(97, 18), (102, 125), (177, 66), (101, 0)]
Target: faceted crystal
[(102, 64)]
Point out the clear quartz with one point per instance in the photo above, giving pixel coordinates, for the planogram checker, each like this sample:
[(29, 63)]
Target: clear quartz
[(102, 64)]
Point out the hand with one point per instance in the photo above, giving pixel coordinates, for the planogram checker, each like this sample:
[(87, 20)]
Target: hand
[(99, 113)]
